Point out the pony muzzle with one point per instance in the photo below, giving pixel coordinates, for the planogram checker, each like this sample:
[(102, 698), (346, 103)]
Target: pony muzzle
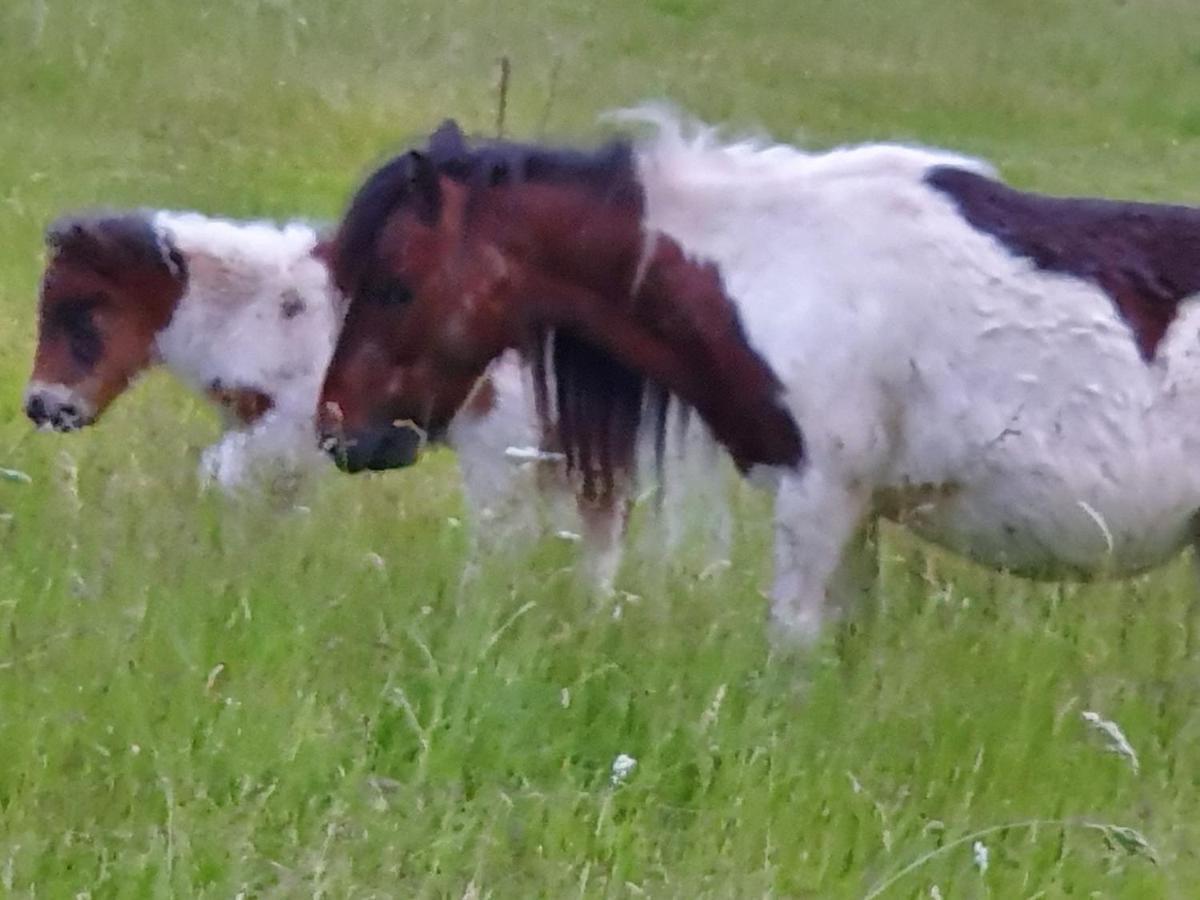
[(57, 407), (376, 449)]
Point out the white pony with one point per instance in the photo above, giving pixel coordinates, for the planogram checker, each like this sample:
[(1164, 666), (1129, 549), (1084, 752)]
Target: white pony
[(1015, 377)]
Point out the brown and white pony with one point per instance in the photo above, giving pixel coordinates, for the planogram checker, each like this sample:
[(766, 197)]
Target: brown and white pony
[(245, 314), (1014, 376)]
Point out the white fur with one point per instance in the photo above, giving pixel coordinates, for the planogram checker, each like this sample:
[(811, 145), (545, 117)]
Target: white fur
[(997, 409), (259, 313)]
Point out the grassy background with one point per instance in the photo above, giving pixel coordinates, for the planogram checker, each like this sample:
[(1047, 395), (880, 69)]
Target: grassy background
[(201, 698)]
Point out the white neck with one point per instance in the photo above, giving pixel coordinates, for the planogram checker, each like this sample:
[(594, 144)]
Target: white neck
[(259, 312)]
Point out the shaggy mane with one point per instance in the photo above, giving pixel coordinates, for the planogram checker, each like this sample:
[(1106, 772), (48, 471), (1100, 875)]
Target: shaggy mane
[(591, 406)]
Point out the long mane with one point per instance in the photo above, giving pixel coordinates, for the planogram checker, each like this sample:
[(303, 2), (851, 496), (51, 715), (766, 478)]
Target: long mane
[(591, 407)]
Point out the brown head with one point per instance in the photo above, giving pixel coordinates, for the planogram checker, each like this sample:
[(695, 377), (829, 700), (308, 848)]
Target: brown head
[(111, 283), (453, 254)]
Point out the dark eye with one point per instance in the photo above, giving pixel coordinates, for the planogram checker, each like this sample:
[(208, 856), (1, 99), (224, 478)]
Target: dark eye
[(387, 292), (74, 319)]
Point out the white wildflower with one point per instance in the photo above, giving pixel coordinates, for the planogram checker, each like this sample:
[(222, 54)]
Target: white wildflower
[(622, 768), (570, 536), (1117, 743), (935, 893), (979, 852)]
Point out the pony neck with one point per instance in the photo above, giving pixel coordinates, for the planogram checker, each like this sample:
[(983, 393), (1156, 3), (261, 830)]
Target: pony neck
[(257, 320), (591, 270)]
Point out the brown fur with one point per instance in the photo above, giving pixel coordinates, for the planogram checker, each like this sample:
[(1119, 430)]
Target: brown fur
[(246, 405), (109, 286), (1145, 256)]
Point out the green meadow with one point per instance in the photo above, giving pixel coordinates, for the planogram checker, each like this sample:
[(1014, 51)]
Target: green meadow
[(210, 698)]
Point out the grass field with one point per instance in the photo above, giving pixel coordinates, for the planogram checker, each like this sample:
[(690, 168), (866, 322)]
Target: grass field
[(209, 699)]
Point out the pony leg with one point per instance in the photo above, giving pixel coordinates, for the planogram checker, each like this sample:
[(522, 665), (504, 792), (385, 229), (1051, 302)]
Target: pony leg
[(603, 525), (274, 457), (824, 558)]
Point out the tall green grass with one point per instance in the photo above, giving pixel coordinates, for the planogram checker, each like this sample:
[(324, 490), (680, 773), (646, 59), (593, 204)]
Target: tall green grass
[(209, 698)]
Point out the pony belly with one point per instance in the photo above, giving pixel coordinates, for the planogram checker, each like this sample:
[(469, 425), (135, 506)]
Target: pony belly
[(1040, 531)]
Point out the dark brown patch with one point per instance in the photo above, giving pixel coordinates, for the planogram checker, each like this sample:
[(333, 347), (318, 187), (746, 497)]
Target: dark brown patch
[(246, 404), (1145, 256), (292, 305)]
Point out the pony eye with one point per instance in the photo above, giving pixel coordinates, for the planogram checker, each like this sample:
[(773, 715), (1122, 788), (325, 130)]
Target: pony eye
[(390, 292)]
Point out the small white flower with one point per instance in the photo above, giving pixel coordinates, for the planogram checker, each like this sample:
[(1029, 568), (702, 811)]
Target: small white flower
[(622, 767), (135, 749), (979, 851), (568, 536)]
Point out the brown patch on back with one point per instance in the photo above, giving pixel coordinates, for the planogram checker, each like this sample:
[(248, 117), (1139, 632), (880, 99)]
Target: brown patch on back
[(245, 404), (1145, 256)]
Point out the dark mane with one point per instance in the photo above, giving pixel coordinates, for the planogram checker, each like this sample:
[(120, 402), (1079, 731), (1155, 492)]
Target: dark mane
[(609, 171), (110, 242), (598, 404)]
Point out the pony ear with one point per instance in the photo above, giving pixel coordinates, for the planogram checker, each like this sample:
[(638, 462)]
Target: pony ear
[(70, 236), (448, 142), (426, 190)]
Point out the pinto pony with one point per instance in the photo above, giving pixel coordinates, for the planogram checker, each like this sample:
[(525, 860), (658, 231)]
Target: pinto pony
[(243, 313), (1013, 376)]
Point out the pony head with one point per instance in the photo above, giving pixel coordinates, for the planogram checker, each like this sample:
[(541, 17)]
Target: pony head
[(452, 254), (110, 284)]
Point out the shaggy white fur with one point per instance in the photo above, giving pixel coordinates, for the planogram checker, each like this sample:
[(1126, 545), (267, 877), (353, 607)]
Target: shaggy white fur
[(261, 315), (998, 409)]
